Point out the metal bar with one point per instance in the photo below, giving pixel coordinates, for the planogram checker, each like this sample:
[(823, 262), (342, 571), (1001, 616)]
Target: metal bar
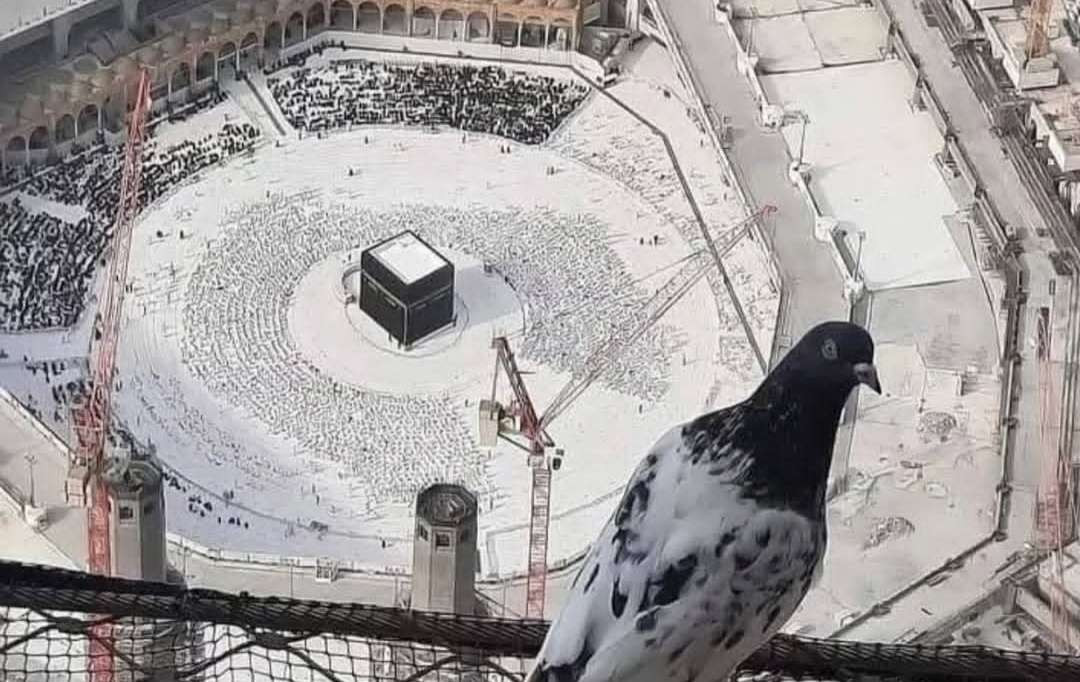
[(431, 668)]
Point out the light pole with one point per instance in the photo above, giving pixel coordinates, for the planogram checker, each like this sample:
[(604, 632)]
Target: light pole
[(31, 460), (858, 256), (802, 137)]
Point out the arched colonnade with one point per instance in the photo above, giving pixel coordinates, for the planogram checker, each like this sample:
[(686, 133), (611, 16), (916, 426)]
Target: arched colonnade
[(208, 57)]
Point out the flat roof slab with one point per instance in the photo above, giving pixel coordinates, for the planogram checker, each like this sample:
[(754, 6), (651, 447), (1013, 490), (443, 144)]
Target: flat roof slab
[(16, 15), (784, 44), (872, 169), (764, 8), (408, 257), (950, 323), (846, 36), (819, 5)]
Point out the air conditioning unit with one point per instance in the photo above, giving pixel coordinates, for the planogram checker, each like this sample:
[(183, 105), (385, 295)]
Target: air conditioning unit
[(326, 570)]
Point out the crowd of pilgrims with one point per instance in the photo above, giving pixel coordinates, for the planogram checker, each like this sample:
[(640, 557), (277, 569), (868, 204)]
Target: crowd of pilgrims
[(235, 319), (523, 107), (237, 327), (47, 262)]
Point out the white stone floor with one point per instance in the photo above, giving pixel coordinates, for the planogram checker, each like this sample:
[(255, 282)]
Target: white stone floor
[(386, 162), (772, 8), (848, 35), (872, 168)]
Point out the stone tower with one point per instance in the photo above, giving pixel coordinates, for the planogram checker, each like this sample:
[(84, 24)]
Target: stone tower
[(444, 550), (137, 523)]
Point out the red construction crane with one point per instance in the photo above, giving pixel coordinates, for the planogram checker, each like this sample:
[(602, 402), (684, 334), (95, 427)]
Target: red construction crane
[(1054, 508), (92, 415), (1037, 40), (533, 428)]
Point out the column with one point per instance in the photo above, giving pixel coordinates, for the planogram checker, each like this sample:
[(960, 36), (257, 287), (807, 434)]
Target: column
[(61, 29), (547, 35), (520, 25), (633, 14), (436, 36), (491, 24), (131, 13)]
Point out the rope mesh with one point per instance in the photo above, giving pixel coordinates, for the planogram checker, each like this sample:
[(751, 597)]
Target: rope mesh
[(158, 631)]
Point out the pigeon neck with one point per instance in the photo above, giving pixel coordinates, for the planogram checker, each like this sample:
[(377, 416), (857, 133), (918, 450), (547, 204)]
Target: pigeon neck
[(787, 394), (800, 420)]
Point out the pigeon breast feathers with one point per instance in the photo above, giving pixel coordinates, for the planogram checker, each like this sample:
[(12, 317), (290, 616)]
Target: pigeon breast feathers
[(675, 558)]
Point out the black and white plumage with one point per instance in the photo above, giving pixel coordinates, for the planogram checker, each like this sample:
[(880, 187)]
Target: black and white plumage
[(719, 533)]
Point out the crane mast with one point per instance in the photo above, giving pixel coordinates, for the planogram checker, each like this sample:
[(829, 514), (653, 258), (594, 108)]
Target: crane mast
[(539, 510), (1053, 510), (92, 415), (1037, 40)]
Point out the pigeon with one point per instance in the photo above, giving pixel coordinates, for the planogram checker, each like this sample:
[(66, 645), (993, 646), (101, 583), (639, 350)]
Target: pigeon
[(719, 533)]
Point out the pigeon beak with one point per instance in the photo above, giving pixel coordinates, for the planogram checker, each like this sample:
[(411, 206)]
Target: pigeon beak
[(866, 373)]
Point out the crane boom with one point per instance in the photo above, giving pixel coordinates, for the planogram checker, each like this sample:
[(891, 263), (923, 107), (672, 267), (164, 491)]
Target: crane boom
[(93, 414), (662, 300), (535, 428), (529, 422)]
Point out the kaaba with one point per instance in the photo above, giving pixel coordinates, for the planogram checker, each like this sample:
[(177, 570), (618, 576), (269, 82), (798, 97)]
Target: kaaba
[(407, 287)]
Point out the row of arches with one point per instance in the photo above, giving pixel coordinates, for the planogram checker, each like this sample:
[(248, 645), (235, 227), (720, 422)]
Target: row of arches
[(230, 58), (423, 22), (68, 128)]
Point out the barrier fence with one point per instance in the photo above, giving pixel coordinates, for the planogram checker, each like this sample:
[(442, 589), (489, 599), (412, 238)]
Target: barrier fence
[(159, 631)]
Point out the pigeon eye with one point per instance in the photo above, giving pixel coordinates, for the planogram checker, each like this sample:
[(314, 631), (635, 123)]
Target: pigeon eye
[(828, 349)]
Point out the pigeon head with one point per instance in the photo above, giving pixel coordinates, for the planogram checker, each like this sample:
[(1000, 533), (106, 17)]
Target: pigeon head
[(796, 410), (818, 373), (834, 357)]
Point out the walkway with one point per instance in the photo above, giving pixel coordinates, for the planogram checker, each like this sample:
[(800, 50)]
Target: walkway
[(814, 287)]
